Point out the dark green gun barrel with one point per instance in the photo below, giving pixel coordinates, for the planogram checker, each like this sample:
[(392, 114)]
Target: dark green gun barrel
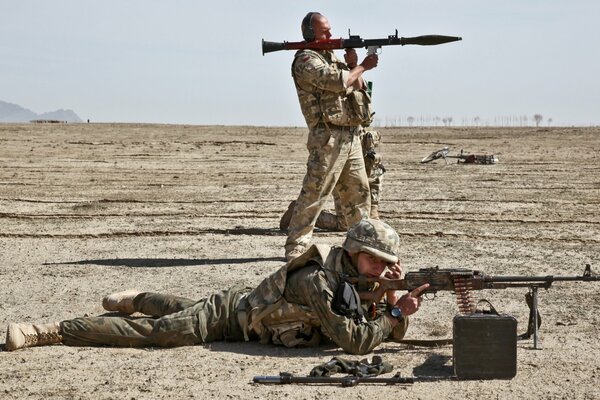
[(429, 40)]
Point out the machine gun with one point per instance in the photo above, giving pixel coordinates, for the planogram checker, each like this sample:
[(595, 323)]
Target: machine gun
[(462, 157), (463, 281), (355, 41)]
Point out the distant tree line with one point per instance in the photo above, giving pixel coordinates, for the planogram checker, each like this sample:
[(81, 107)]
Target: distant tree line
[(503, 120)]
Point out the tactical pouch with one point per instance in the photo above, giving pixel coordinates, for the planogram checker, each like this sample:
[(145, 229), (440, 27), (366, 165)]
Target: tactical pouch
[(351, 110), (285, 323), (346, 302), (294, 334), (361, 102), (485, 345)]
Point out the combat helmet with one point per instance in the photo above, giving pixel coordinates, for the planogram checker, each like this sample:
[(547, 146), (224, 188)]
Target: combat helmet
[(374, 237)]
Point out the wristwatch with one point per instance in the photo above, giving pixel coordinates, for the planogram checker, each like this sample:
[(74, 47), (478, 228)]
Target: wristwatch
[(396, 313)]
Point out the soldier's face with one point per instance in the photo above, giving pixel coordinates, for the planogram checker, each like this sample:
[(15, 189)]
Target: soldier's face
[(321, 28), (371, 266)]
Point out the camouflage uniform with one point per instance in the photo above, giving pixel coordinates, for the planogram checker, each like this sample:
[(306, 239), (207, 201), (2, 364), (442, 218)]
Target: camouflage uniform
[(335, 159), (336, 221), (292, 307), (175, 321)]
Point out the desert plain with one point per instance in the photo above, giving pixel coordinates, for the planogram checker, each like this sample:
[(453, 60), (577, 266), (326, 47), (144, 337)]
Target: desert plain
[(88, 209)]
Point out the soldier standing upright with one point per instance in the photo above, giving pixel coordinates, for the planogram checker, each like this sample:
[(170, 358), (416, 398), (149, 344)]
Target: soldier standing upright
[(335, 104)]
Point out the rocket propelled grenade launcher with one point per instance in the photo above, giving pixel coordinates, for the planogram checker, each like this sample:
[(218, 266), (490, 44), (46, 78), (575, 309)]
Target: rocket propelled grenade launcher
[(355, 41)]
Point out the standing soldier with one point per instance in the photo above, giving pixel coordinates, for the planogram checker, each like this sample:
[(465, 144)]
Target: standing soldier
[(335, 104)]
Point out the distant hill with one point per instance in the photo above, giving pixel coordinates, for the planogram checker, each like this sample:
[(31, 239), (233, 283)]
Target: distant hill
[(10, 112)]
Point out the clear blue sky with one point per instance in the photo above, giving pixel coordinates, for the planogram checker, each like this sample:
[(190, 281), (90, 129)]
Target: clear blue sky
[(200, 62)]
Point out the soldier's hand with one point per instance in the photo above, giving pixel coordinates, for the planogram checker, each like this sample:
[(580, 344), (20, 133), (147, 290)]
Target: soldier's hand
[(410, 302), (370, 62), (351, 58), (393, 272)]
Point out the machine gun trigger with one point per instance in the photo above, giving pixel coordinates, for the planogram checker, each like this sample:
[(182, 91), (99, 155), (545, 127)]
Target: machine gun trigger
[(429, 295)]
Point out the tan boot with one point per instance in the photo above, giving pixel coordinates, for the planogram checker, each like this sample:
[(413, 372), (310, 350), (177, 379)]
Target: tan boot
[(284, 222), (331, 222), (120, 301), (20, 336)]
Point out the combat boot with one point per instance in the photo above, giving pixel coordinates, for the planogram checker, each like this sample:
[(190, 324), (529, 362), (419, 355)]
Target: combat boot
[(120, 301), (331, 222), (20, 336), (284, 222)]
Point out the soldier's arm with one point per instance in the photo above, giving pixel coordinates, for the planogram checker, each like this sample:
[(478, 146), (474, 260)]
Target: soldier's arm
[(312, 289), (354, 78), (310, 70)]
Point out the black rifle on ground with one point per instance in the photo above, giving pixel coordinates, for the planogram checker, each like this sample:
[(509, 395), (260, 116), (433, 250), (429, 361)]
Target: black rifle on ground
[(355, 41), (346, 381), (463, 281)]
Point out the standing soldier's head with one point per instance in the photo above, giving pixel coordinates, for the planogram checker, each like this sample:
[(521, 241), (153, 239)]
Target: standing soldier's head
[(315, 27)]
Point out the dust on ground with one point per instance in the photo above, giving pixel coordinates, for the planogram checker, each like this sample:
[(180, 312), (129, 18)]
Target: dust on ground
[(88, 209)]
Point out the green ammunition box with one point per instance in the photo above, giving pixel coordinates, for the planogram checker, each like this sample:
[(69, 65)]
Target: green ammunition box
[(485, 346)]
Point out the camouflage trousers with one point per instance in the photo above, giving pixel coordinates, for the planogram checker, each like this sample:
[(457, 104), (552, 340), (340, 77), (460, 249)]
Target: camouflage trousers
[(335, 162), (336, 221), (173, 321)]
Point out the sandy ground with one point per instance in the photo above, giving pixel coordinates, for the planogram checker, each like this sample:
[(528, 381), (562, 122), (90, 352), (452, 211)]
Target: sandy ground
[(87, 209)]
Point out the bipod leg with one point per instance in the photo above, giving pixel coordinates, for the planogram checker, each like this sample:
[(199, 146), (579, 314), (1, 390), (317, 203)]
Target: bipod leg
[(535, 319), (534, 308)]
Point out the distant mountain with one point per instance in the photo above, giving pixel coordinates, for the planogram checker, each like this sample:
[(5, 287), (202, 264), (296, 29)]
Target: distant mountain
[(61, 115), (14, 113)]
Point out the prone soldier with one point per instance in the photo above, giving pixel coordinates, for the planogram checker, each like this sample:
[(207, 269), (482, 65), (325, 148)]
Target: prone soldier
[(305, 302)]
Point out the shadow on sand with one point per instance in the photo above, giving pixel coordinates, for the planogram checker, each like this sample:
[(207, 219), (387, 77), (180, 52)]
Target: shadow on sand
[(167, 262)]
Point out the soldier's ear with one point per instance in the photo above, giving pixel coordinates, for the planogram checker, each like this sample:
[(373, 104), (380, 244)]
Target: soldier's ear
[(308, 31)]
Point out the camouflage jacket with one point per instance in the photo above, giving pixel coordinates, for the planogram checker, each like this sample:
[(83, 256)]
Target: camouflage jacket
[(293, 306), (320, 79)]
